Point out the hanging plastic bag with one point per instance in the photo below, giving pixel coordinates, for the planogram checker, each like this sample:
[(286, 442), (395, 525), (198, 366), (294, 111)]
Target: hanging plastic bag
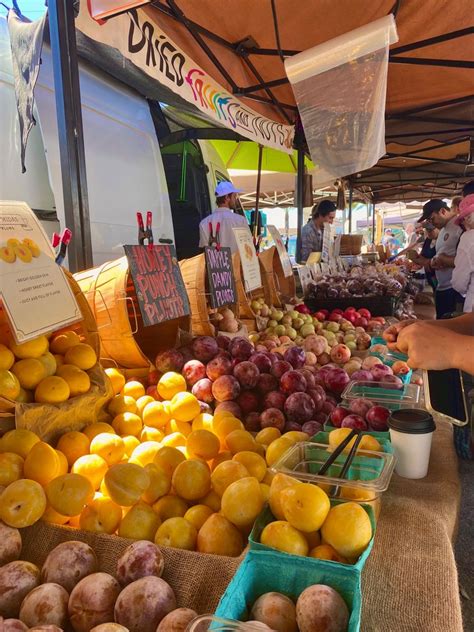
[(340, 88)]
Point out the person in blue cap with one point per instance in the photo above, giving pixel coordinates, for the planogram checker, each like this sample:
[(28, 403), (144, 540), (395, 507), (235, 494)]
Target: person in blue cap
[(223, 219)]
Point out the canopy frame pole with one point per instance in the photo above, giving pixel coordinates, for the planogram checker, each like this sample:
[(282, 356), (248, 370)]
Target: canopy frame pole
[(429, 132), (257, 195), (432, 40), (350, 207), (299, 198), (373, 223), (70, 132)]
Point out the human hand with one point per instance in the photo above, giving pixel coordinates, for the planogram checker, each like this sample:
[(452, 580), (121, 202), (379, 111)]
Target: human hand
[(435, 263), (392, 332), (427, 346)]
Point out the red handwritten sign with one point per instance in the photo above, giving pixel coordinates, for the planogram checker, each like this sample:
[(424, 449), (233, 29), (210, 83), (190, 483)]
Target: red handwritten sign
[(158, 283)]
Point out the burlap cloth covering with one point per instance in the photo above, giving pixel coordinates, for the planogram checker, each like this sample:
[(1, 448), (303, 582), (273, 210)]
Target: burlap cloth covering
[(409, 582)]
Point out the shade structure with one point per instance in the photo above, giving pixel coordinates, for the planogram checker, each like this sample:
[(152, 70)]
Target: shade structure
[(430, 94), (244, 155)]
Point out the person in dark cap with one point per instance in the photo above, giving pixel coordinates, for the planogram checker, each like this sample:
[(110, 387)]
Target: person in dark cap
[(468, 188), (438, 212), (312, 232)]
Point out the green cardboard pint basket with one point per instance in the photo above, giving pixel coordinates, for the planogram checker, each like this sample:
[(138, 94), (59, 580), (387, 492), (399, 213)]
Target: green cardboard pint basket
[(266, 571), (266, 517)]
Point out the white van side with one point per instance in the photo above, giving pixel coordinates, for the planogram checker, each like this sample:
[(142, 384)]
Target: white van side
[(125, 171)]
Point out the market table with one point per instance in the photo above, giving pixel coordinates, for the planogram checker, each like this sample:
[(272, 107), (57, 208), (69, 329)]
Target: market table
[(410, 580)]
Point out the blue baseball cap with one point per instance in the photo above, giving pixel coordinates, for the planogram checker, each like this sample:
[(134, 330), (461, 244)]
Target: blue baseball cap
[(226, 188)]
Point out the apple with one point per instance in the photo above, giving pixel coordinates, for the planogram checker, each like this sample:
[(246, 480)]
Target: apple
[(338, 415), (355, 422), (340, 353), (332, 326), (364, 313), (400, 368), (335, 317), (377, 417), (361, 322)]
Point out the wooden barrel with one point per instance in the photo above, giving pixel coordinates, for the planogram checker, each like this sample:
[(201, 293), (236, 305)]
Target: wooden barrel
[(195, 279), (125, 340), (281, 288)]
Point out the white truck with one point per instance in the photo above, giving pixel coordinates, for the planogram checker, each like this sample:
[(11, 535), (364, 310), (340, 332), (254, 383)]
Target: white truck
[(126, 171)]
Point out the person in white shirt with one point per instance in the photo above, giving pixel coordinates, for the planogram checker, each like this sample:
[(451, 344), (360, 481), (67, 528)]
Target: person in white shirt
[(224, 216), (441, 216), (463, 273)]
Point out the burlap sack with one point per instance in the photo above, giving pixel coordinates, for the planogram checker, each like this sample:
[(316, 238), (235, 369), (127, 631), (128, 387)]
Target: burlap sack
[(198, 579), (50, 422), (410, 581)]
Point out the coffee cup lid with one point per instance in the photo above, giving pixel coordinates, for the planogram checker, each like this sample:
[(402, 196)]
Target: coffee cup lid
[(411, 421)]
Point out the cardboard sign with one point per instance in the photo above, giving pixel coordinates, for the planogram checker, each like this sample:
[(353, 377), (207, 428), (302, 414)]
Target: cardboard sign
[(158, 283), (220, 276), (328, 242), (305, 277), (316, 270), (36, 294), (284, 258), (248, 259)]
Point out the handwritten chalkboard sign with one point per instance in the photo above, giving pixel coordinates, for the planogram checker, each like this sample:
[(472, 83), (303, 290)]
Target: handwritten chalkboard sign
[(220, 276), (158, 283)]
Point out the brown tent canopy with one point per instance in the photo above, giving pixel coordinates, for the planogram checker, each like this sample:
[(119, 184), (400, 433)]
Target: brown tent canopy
[(430, 95)]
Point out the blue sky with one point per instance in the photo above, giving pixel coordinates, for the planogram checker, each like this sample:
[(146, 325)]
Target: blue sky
[(33, 9)]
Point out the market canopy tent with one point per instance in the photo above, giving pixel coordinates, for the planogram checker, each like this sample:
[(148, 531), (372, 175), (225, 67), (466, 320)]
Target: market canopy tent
[(430, 87)]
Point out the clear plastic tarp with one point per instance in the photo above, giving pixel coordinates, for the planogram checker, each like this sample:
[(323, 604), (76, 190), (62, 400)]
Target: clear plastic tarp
[(340, 88)]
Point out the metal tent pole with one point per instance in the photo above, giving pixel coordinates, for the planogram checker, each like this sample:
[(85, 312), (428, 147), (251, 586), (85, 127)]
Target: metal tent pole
[(373, 222), (350, 209), (70, 132), (299, 200)]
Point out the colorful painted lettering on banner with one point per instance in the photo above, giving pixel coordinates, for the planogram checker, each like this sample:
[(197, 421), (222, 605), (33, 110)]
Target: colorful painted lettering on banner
[(138, 37), (158, 283)]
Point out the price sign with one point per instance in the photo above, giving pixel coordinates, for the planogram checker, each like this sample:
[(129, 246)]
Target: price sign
[(284, 258), (35, 292), (158, 283), (316, 270), (305, 277), (220, 276), (248, 259), (328, 242)]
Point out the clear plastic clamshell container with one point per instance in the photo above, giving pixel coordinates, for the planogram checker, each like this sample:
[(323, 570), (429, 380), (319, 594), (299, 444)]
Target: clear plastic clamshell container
[(406, 397), (369, 470), (208, 622)]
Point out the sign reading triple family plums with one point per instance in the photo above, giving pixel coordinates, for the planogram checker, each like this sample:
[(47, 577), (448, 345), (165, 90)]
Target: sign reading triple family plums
[(220, 276)]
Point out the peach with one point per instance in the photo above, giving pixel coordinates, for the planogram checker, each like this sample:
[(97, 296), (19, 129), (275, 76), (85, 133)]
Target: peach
[(144, 603), (320, 608), (10, 544), (218, 536), (242, 501), (178, 533), (45, 605), (92, 601), (282, 536), (140, 559), (68, 563), (17, 579), (177, 620), (276, 611)]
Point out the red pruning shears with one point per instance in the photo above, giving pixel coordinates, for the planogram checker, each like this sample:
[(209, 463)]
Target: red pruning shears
[(63, 241), (215, 241), (145, 233)]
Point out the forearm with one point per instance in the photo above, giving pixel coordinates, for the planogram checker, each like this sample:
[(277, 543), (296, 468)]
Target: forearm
[(463, 352), (463, 325)]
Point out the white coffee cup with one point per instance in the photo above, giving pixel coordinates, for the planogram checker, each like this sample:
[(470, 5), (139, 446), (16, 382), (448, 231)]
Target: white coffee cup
[(411, 433)]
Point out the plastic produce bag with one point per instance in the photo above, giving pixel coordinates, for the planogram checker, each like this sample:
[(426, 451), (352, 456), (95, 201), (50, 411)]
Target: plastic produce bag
[(340, 88)]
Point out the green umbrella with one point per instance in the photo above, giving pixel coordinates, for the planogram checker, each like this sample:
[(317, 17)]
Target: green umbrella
[(244, 155)]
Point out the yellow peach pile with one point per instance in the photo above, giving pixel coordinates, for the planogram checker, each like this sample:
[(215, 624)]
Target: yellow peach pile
[(160, 470), (47, 371)]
